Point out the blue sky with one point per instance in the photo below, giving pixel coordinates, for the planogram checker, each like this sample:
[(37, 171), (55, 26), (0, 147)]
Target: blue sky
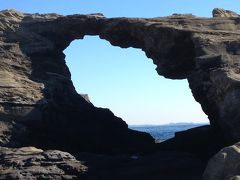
[(125, 80), (116, 8)]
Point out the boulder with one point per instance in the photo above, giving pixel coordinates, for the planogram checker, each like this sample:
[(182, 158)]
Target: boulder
[(33, 163), (224, 165), (219, 12)]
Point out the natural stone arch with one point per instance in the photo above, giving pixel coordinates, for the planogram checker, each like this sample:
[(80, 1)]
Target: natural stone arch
[(198, 55), (205, 51), (88, 56)]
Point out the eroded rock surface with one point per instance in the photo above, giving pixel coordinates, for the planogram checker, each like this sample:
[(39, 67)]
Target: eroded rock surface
[(218, 12), (33, 163), (38, 102), (40, 106), (224, 165)]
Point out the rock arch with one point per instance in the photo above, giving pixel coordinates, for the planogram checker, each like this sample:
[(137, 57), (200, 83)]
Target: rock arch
[(203, 50), (150, 98)]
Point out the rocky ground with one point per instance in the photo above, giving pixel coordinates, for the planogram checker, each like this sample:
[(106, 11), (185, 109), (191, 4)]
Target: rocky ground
[(32, 163), (165, 165)]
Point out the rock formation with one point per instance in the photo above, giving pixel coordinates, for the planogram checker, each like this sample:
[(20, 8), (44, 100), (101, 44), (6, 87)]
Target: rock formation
[(217, 12), (86, 97), (201, 141), (33, 163), (224, 165), (39, 105)]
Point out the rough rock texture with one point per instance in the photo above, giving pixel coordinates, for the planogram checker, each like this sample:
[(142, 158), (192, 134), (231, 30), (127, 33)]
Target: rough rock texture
[(224, 165), (32, 163), (39, 105), (217, 12)]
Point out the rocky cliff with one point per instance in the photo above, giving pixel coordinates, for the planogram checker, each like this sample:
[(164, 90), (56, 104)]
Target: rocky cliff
[(38, 102), (39, 105)]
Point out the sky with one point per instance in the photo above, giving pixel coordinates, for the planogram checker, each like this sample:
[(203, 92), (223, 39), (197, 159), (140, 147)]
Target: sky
[(125, 80)]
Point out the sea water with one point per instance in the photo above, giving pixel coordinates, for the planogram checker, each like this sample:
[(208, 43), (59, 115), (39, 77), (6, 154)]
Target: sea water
[(164, 132)]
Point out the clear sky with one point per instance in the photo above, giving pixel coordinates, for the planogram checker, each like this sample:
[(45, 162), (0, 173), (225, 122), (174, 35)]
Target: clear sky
[(125, 80)]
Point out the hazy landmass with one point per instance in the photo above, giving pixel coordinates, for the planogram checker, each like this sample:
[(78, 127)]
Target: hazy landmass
[(169, 124)]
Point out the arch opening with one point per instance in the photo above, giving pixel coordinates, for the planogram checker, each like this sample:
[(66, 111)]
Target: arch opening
[(124, 80)]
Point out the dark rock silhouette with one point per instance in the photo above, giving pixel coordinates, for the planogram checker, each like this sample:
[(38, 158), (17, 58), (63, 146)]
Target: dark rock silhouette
[(202, 141), (164, 165)]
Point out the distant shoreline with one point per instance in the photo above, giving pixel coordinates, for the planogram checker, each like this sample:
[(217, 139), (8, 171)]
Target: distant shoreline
[(169, 124)]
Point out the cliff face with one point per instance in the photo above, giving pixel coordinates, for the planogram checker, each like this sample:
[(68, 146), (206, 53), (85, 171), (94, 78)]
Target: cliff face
[(39, 105)]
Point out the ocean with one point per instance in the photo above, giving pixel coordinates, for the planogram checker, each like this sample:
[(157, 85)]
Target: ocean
[(164, 132)]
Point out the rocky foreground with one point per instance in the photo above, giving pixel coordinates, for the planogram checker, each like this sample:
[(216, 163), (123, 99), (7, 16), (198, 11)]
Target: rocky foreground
[(33, 163), (40, 107)]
